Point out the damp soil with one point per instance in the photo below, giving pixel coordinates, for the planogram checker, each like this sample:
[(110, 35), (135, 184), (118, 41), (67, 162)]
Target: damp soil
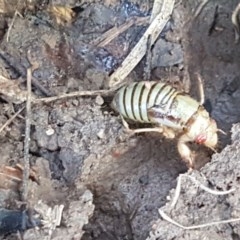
[(111, 183)]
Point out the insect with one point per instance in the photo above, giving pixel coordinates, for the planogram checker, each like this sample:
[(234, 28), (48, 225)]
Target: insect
[(173, 113)]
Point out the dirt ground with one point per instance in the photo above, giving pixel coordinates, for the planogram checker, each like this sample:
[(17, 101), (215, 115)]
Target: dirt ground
[(112, 184)]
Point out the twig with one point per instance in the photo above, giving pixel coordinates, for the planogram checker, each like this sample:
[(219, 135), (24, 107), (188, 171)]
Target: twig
[(167, 218), (76, 94), (39, 86), (114, 32), (139, 50), (199, 184), (11, 119), (26, 170), (12, 22)]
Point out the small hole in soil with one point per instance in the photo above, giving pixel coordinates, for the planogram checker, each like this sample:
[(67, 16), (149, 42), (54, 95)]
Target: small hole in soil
[(201, 205), (235, 236)]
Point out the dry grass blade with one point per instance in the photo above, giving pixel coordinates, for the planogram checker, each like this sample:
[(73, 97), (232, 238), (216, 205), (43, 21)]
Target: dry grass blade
[(32, 173), (114, 32), (156, 9), (11, 177), (62, 14), (10, 120), (139, 50)]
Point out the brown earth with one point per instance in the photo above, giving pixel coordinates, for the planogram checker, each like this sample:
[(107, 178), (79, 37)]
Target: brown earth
[(108, 181)]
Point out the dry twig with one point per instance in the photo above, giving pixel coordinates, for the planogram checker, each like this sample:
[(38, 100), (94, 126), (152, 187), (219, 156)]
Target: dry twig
[(156, 9), (9, 121), (114, 32), (26, 165), (76, 94)]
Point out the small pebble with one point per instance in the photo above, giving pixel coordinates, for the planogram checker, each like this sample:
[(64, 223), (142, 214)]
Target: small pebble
[(144, 180), (99, 100), (101, 134), (50, 131), (75, 102), (105, 113)]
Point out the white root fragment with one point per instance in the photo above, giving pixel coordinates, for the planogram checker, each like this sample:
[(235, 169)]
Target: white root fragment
[(199, 184), (176, 196), (168, 219)]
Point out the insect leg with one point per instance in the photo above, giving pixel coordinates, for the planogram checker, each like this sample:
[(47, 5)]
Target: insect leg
[(140, 130), (184, 151), (168, 133)]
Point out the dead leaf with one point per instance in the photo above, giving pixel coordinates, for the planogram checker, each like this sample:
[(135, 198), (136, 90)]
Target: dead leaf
[(63, 14), (11, 177)]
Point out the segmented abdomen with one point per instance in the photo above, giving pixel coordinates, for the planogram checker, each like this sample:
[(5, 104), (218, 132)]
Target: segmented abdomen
[(155, 102), (134, 101)]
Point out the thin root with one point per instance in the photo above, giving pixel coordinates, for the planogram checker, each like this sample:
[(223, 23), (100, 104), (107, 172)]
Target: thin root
[(167, 218), (199, 184), (176, 196)]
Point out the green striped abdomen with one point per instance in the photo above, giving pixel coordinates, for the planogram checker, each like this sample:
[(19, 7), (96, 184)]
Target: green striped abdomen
[(154, 102)]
